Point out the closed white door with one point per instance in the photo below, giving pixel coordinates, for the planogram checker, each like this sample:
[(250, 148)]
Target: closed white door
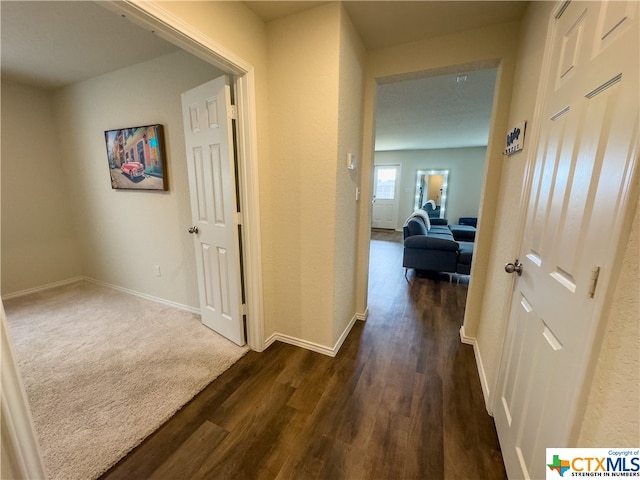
[(578, 199), (208, 128), (385, 196)]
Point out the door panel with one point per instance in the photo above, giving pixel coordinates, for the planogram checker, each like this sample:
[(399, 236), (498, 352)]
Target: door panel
[(579, 192), (211, 168), (385, 196)]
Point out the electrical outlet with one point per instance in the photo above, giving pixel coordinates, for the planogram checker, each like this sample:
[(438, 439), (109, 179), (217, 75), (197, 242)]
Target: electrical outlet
[(158, 273)]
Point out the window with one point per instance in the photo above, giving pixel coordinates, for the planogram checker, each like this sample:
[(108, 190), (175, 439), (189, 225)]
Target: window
[(385, 188)]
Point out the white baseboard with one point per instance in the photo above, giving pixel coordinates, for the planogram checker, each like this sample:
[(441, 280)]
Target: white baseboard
[(69, 281), (41, 288), (344, 334), (162, 301), (316, 347), (481, 372)]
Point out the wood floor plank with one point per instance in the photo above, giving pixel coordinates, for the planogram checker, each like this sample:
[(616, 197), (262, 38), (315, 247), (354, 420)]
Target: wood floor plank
[(425, 458), (289, 440), (249, 443), (387, 445), (400, 400), (188, 458)]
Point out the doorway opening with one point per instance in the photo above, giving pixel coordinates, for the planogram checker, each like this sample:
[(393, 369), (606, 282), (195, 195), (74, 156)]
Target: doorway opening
[(434, 126), (155, 18)]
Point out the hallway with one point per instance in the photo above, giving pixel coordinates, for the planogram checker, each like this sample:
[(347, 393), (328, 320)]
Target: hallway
[(401, 399)]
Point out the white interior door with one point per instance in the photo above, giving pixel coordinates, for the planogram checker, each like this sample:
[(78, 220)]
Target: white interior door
[(578, 200), (208, 127), (385, 196)]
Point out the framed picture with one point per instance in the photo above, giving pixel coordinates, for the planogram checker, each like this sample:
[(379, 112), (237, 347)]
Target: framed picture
[(137, 158)]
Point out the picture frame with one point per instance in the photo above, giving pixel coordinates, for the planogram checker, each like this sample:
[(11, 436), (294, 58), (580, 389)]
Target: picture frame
[(137, 158)]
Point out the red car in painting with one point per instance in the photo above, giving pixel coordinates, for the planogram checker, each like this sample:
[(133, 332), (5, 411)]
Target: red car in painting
[(133, 169)]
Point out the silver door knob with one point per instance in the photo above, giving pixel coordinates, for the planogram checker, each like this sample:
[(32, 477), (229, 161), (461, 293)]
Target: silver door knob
[(193, 229), (514, 267)]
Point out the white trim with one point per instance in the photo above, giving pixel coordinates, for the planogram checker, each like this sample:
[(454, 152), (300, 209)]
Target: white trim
[(315, 347), (69, 281), (344, 335), (481, 371), (250, 198), (272, 338), (20, 446), (154, 17), (41, 288), (363, 316), (146, 296)]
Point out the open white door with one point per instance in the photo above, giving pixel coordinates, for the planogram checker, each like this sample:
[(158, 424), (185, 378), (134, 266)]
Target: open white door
[(208, 128), (385, 196), (577, 204)]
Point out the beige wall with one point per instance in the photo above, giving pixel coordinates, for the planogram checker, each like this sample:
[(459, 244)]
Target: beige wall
[(490, 326), (58, 205), (315, 71), (303, 88), (612, 413), (39, 240), (466, 170), (474, 49), (350, 100), (123, 234)]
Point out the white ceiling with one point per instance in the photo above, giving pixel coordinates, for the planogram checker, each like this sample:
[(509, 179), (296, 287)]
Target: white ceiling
[(435, 112), (50, 44), (385, 23)]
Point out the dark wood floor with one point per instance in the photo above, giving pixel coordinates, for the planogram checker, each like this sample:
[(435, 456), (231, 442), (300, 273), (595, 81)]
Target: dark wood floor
[(400, 400)]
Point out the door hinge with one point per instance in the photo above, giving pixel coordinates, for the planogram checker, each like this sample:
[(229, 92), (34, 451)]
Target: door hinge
[(239, 218), (243, 309), (593, 281), (233, 112)]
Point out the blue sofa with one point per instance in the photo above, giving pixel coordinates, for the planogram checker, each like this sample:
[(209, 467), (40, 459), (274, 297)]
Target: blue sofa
[(434, 248)]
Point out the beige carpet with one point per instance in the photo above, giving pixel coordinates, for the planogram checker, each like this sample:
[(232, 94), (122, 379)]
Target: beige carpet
[(104, 369)]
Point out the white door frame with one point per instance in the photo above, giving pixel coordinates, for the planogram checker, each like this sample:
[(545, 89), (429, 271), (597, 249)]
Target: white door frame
[(152, 16)]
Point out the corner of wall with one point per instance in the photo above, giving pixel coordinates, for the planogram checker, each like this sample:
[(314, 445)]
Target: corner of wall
[(487, 313), (484, 383)]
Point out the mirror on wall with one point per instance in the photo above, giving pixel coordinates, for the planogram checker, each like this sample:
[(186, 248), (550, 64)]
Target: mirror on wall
[(431, 189)]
